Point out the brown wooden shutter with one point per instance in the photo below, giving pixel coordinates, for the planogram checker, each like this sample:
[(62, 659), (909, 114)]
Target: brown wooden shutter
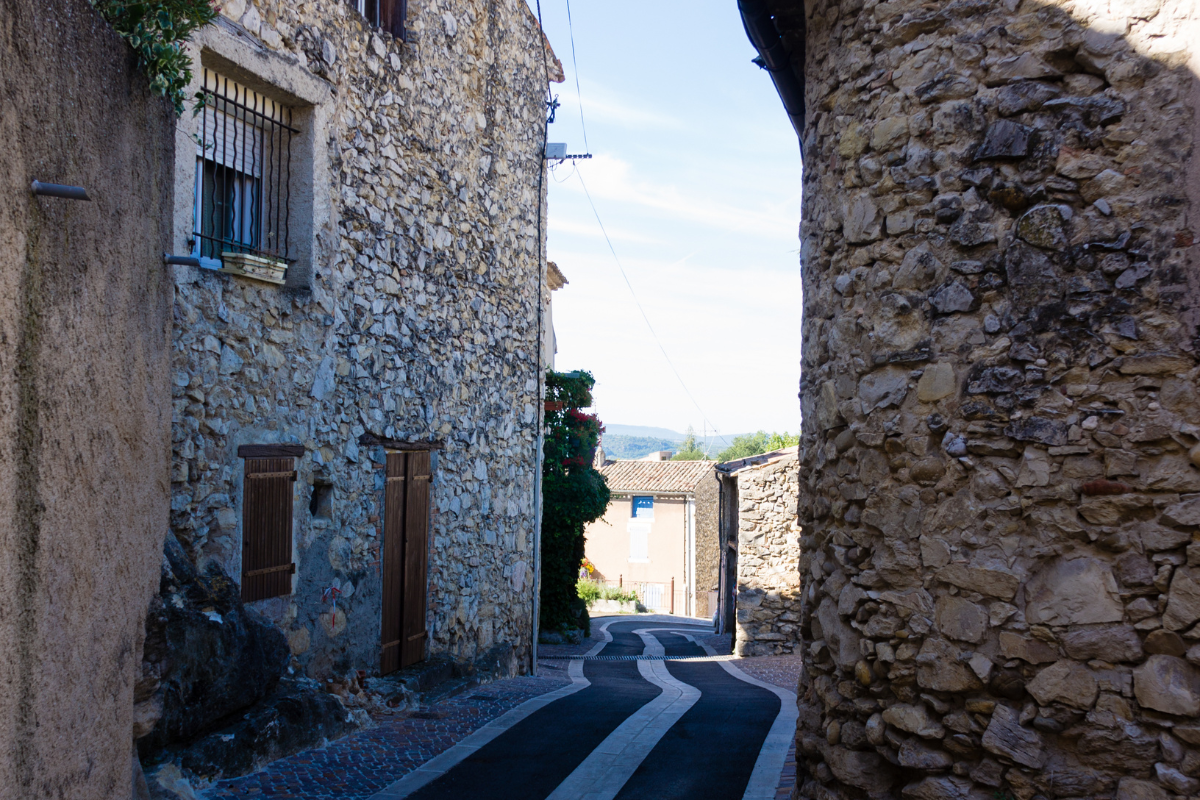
[(393, 561), (416, 535), (405, 560), (267, 566), (393, 18)]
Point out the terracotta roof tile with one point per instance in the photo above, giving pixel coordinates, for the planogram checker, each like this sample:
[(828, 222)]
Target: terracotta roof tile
[(655, 476)]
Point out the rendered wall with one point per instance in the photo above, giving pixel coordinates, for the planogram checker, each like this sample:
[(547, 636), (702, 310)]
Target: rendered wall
[(607, 546), (1000, 401), (84, 395), (421, 323)]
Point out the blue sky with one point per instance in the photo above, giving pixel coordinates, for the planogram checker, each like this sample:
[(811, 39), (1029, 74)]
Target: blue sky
[(696, 177)]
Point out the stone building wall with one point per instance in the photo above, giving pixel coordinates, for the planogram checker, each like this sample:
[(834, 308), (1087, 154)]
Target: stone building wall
[(85, 395), (768, 555), (708, 547), (1000, 399), (415, 319)]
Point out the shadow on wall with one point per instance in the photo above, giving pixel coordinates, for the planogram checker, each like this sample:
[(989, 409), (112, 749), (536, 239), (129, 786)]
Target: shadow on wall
[(1000, 400)]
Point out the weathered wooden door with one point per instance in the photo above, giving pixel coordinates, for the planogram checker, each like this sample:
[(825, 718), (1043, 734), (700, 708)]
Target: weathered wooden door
[(267, 566), (405, 556)]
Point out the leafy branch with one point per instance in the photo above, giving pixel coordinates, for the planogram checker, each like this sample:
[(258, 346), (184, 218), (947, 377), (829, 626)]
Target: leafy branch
[(157, 31)]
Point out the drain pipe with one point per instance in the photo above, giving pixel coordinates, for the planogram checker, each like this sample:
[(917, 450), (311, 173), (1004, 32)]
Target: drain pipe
[(774, 57)]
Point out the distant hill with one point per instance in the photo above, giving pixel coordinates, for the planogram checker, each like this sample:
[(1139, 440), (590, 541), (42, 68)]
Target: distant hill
[(644, 431), (639, 441), (621, 447)]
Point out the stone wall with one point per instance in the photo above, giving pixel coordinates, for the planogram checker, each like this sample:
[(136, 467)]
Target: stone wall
[(416, 318), (1000, 401), (708, 546), (84, 395), (768, 554)]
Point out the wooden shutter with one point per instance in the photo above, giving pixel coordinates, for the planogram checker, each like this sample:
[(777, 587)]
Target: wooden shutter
[(405, 560), (416, 534), (267, 566), (393, 18), (393, 561)]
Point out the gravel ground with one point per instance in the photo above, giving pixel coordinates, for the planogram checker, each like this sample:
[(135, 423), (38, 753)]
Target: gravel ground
[(782, 671), (358, 766)]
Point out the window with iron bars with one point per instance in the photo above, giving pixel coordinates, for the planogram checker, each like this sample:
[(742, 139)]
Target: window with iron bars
[(243, 173), (390, 15)]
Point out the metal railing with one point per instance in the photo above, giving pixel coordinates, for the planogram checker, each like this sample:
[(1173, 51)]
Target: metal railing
[(243, 172)]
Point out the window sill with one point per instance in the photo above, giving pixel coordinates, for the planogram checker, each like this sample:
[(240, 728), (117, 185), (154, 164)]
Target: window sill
[(639, 561)]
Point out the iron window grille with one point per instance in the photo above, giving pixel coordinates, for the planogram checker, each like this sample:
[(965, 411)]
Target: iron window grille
[(243, 173), (389, 15)]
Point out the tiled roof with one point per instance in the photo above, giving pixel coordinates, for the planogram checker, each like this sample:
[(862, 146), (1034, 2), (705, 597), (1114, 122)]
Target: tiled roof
[(732, 467), (655, 476)]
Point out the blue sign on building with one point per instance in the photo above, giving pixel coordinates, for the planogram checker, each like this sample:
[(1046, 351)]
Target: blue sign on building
[(643, 508)]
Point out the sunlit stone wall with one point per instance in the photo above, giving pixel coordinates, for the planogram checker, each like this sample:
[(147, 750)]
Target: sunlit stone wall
[(1000, 490)]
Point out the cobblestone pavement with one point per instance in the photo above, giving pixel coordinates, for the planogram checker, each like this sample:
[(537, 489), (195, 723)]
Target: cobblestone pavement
[(358, 766)]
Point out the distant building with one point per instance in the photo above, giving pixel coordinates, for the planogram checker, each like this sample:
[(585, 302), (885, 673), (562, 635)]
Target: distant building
[(555, 280), (659, 535), (760, 552)]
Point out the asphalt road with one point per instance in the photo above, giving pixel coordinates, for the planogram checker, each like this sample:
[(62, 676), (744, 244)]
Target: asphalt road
[(648, 728)]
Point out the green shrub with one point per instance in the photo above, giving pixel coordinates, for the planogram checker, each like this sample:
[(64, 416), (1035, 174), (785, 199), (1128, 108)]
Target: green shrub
[(156, 30), (590, 592)]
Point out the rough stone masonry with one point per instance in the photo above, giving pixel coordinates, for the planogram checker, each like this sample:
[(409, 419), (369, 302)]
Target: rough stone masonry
[(1001, 494), (416, 320), (769, 600)]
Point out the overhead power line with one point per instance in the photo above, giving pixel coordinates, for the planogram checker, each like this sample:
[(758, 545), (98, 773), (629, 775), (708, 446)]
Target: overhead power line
[(638, 303), (575, 64)]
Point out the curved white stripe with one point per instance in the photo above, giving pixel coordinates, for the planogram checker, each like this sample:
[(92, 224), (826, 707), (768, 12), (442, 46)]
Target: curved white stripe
[(610, 765), (439, 765), (596, 648), (764, 780)]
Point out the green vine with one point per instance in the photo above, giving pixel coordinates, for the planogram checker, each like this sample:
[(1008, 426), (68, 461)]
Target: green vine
[(157, 30)]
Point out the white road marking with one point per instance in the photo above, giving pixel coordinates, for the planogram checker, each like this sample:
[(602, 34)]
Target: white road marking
[(764, 780), (613, 762), (596, 648), (439, 765)]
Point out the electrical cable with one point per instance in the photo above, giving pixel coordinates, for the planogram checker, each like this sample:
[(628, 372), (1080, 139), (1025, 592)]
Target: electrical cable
[(554, 169), (540, 347), (638, 303), (578, 92)]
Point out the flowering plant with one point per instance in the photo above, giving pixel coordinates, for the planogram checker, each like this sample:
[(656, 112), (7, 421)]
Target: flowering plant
[(573, 493)]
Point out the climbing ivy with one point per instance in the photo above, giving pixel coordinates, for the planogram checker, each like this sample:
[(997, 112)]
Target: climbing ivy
[(157, 30), (573, 494)]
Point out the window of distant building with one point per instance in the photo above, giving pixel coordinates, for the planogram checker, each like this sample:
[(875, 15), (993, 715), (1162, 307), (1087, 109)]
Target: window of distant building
[(643, 509)]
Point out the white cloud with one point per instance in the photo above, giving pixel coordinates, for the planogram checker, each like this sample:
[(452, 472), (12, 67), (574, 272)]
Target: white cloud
[(612, 179), (603, 107), (574, 227)]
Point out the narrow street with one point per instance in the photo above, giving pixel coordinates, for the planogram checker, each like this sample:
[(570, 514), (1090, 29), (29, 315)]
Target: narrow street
[(630, 725), (649, 712)]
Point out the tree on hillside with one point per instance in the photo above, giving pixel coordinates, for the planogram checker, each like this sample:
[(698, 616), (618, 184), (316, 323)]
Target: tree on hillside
[(756, 444), (689, 450)]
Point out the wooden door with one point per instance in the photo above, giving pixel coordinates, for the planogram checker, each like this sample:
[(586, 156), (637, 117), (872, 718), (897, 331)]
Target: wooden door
[(405, 556), (416, 557), (267, 566)]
